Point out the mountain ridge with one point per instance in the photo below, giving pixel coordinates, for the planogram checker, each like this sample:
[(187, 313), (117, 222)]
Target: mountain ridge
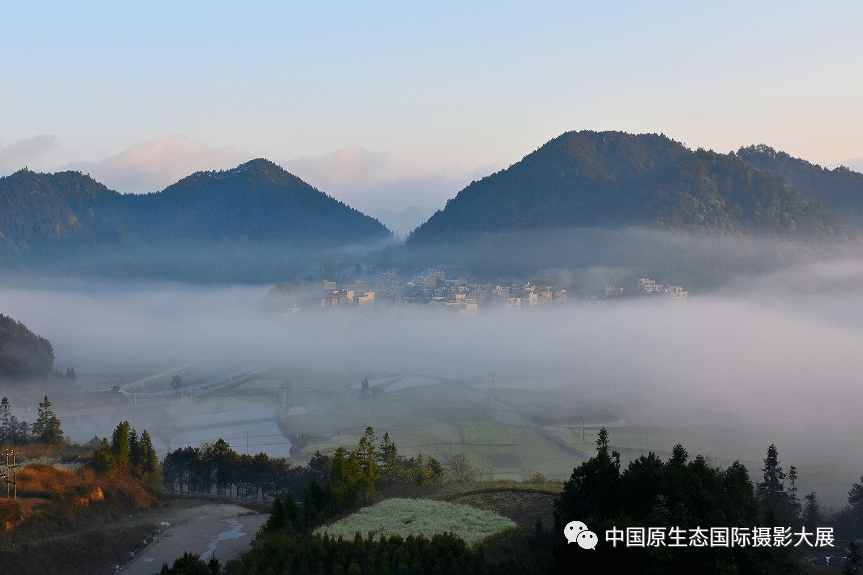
[(258, 200), (615, 179)]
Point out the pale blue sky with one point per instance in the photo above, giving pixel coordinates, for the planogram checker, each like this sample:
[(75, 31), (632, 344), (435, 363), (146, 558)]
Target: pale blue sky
[(392, 104)]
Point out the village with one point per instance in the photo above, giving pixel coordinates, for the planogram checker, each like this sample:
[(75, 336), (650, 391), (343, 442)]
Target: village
[(432, 288)]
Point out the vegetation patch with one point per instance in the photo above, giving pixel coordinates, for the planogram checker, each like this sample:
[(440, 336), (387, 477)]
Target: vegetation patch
[(425, 517)]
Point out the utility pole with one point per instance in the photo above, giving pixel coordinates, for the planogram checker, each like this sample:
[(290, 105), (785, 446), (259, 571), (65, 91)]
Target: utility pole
[(12, 472)]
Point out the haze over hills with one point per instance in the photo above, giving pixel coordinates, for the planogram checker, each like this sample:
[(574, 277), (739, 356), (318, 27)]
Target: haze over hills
[(258, 223), (614, 179)]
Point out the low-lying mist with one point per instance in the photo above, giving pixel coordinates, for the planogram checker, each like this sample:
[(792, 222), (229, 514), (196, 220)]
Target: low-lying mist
[(777, 359)]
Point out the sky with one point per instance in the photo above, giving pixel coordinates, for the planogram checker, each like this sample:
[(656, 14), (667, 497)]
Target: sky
[(388, 105)]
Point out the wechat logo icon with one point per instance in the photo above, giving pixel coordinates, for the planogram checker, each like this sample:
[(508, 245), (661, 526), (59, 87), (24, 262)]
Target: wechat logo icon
[(577, 532)]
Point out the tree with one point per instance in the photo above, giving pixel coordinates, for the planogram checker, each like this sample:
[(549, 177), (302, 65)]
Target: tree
[(811, 511), (5, 420), (134, 449), (771, 491), (177, 381), (364, 388), (46, 428), (855, 497), (103, 459), (793, 500), (593, 490), (460, 469), (188, 564), (120, 445), (854, 560), (148, 461)]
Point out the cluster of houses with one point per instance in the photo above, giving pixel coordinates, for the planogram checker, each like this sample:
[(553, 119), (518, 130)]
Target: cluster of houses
[(432, 288), (649, 287)]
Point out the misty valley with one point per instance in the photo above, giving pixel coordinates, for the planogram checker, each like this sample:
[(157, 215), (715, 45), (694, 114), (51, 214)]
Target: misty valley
[(616, 331)]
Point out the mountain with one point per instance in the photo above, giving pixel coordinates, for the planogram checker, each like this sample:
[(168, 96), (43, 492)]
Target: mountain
[(578, 179), (255, 223), (839, 189), (65, 206), (614, 179), (722, 193), (258, 200)]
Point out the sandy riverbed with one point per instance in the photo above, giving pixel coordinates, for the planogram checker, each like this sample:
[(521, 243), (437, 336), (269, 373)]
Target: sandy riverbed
[(220, 528)]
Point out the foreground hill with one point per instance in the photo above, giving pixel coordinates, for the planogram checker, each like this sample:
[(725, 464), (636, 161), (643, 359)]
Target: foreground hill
[(614, 179), (839, 189)]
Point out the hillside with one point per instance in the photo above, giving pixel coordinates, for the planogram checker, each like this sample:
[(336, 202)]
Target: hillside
[(255, 222), (578, 179), (614, 179), (66, 206), (839, 189), (718, 193), (257, 200), (23, 354)]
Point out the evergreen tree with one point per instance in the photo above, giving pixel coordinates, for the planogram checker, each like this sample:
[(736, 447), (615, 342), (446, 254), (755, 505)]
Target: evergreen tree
[(793, 501), (811, 511), (854, 560), (148, 460), (593, 489), (5, 421), (46, 428), (103, 458), (134, 449), (120, 446), (771, 491)]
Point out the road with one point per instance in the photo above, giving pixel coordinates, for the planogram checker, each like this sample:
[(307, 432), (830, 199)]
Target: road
[(223, 529)]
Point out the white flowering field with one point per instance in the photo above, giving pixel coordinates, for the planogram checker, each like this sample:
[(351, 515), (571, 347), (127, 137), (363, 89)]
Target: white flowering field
[(419, 517)]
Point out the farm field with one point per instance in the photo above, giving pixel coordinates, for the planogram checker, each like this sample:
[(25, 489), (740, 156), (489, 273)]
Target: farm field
[(508, 425)]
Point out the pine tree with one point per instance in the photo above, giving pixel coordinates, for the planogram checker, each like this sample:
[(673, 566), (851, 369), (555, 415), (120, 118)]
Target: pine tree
[(771, 492), (134, 449), (854, 560), (812, 511), (5, 421), (120, 446), (46, 428), (103, 459), (148, 460), (793, 500)]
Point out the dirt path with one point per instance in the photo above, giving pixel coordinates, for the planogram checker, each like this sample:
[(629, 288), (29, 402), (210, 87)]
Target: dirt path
[(221, 528)]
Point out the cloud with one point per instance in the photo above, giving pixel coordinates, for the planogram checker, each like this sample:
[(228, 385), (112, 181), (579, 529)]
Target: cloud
[(26, 152), (154, 165), (349, 167)]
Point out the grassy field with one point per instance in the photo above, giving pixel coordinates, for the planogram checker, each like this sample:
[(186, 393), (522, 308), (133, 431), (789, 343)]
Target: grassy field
[(425, 517)]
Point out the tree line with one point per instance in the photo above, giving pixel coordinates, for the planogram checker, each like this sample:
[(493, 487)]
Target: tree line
[(126, 453), (46, 428), (327, 485)]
